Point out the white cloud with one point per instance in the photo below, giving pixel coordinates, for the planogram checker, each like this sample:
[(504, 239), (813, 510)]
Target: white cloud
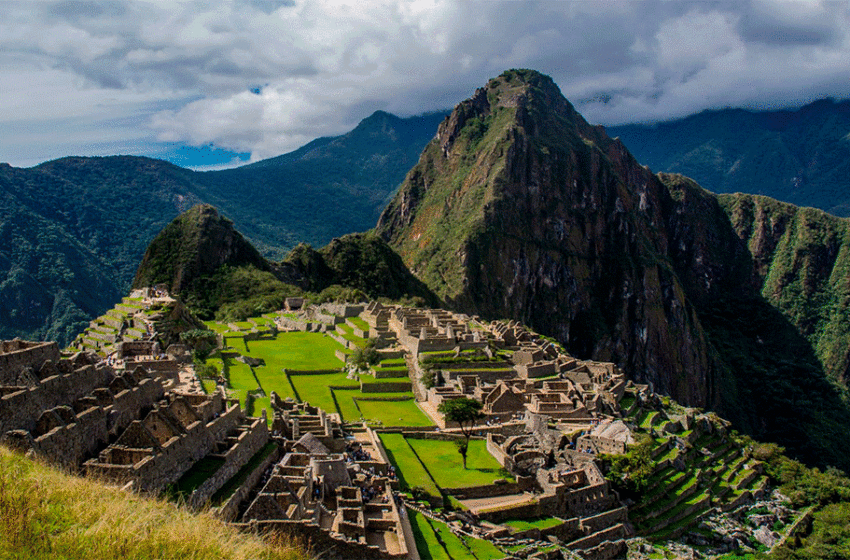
[(88, 76)]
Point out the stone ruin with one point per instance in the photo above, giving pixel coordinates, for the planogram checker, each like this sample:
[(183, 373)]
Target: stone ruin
[(130, 419), (336, 492), (129, 426)]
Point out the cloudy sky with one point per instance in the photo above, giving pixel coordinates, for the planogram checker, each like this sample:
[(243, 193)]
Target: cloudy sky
[(263, 77)]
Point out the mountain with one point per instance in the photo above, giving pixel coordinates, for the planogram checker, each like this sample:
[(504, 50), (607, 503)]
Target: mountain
[(798, 156), (521, 209), (801, 265), (197, 243), (328, 188), (75, 229), (201, 257), (50, 284)]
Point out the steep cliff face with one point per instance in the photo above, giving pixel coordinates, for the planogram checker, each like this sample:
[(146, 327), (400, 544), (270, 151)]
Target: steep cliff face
[(519, 208), (801, 265)]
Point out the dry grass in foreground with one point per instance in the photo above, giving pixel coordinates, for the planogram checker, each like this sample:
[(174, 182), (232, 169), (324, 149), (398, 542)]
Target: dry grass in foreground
[(47, 514)]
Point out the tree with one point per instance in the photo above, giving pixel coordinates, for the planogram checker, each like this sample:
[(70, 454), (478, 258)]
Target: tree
[(366, 356), (202, 341), (465, 412)]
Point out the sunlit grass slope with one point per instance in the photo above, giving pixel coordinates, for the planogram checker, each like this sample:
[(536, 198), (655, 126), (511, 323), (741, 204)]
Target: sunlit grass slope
[(45, 514)]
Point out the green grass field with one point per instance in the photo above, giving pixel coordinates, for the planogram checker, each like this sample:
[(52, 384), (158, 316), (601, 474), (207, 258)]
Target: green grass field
[(426, 541), (359, 323), (394, 413), (347, 406), (298, 351), (216, 327), (411, 472), (315, 389), (240, 379), (445, 464), (538, 523)]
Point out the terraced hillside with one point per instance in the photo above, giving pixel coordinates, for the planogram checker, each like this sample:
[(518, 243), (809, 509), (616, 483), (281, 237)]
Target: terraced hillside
[(696, 469), (257, 360)]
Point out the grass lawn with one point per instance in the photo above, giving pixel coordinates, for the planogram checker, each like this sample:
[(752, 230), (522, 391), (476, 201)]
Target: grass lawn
[(298, 351), (454, 545), (240, 379), (260, 404), (355, 340), (347, 406), (369, 380), (359, 323), (538, 523), (410, 471), (445, 464), (315, 389), (426, 541), (390, 362), (399, 371), (208, 385), (394, 413), (483, 550)]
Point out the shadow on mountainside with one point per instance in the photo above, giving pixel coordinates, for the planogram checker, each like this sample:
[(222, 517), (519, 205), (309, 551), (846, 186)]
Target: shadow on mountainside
[(771, 385)]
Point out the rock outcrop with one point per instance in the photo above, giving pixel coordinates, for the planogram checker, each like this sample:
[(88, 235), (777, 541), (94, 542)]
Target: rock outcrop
[(197, 243)]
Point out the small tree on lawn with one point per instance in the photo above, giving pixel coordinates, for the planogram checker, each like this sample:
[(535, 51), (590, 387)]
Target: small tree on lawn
[(465, 412)]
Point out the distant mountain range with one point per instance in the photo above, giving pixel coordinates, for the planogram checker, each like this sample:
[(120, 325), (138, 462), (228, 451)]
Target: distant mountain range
[(799, 156), (74, 230)]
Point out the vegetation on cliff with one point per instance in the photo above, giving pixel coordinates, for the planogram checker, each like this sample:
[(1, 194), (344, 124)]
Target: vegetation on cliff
[(202, 257), (45, 514), (196, 244), (801, 265)]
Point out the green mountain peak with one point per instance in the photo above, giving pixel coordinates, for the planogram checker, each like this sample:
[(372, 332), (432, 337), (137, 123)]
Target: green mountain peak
[(196, 243)]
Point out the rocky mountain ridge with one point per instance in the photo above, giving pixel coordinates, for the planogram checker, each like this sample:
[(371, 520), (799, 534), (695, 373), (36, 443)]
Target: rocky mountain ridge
[(519, 208)]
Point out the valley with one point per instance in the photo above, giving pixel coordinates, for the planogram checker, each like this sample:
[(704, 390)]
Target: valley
[(541, 350)]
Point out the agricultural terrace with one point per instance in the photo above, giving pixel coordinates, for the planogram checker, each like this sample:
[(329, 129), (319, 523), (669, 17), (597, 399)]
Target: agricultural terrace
[(435, 464), (305, 366), (435, 541)]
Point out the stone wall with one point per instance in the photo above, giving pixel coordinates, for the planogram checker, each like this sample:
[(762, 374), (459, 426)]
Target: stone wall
[(247, 444), (499, 454), (344, 310), (389, 387), (612, 533), (605, 519), (20, 410), (487, 490), (77, 438), (319, 541), (157, 470), (229, 510), (17, 354)]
